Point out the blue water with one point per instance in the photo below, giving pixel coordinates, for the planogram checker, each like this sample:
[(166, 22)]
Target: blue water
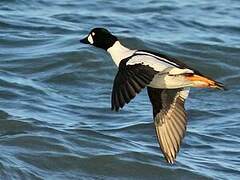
[(55, 115)]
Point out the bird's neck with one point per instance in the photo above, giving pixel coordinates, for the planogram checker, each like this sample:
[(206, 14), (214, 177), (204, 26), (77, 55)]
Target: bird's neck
[(119, 52)]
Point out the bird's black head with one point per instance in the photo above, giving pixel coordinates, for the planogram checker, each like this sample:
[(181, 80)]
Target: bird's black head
[(100, 37)]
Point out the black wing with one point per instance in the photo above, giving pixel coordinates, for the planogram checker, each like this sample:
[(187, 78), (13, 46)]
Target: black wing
[(170, 119), (129, 81)]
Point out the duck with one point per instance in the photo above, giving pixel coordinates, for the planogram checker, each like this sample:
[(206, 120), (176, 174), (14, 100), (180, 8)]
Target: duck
[(168, 82)]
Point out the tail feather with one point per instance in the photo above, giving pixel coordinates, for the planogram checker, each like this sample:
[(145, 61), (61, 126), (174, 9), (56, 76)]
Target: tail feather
[(202, 82), (219, 85)]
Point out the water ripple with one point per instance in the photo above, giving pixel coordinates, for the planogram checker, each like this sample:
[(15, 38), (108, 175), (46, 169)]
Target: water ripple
[(55, 93)]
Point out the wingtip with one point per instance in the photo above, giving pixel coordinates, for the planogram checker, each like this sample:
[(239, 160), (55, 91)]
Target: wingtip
[(170, 160)]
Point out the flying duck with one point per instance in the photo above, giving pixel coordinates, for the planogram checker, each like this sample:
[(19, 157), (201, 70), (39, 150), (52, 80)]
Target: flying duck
[(167, 80)]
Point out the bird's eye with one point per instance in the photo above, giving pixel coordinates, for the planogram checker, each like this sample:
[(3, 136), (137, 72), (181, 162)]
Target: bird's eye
[(93, 33)]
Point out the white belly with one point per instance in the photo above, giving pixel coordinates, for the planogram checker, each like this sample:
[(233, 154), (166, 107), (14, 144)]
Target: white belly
[(169, 81)]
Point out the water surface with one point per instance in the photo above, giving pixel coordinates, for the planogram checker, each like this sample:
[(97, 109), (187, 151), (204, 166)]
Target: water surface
[(56, 121)]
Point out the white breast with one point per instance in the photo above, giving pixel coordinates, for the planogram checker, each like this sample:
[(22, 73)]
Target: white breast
[(118, 52)]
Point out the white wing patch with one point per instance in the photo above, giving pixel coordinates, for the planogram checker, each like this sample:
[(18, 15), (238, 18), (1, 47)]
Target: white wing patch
[(151, 61), (157, 57)]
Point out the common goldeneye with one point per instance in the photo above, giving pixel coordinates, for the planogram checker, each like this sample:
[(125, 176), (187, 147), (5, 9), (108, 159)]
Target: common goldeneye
[(167, 80)]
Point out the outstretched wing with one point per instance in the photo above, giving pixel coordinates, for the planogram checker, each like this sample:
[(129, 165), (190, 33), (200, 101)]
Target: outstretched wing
[(129, 81), (170, 119)]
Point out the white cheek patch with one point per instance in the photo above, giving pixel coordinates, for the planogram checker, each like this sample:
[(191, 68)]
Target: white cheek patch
[(90, 39)]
